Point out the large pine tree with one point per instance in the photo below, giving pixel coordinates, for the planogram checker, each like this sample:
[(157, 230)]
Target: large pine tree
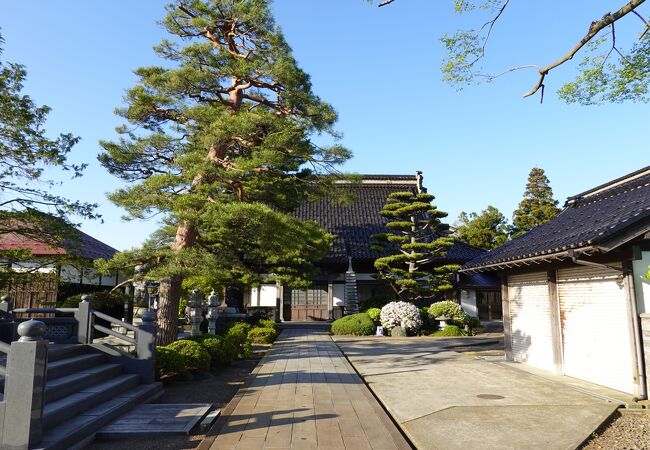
[(219, 142), (414, 247), (538, 205)]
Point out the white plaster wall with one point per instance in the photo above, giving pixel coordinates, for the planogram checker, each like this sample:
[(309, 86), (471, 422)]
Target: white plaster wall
[(268, 295), (70, 274), (641, 286), (25, 266), (468, 301)]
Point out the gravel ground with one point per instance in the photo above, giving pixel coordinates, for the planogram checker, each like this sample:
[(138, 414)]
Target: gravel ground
[(629, 431), (217, 388)]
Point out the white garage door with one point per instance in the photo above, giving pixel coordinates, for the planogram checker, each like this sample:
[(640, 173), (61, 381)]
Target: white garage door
[(531, 320), (595, 327)]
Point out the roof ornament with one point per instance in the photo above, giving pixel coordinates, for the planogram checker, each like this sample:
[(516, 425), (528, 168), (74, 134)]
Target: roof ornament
[(418, 178)]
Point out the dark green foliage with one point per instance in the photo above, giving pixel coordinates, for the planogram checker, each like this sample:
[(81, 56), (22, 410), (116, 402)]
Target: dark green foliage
[(374, 313), (415, 245), (450, 331), (474, 323), (429, 324), (377, 301), (355, 325), (488, 230), (169, 362), (195, 356), (260, 335), (111, 303), (450, 309), (538, 205)]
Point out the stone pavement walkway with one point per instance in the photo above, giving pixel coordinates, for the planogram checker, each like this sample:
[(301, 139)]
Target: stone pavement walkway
[(443, 399), (304, 395)]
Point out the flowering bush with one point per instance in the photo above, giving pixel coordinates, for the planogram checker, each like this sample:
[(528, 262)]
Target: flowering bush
[(402, 314)]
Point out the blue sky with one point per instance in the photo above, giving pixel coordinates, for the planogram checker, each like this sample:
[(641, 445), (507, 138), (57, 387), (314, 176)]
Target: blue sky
[(380, 70)]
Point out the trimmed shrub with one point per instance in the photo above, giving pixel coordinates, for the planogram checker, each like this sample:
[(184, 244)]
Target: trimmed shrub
[(237, 335), (429, 324), (195, 356), (238, 327), (450, 331), (169, 362), (374, 313), (267, 323), (355, 324), (400, 314), (474, 322), (450, 309), (262, 335), (221, 351)]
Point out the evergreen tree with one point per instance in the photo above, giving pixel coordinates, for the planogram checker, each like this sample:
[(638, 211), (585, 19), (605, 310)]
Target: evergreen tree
[(219, 143), (29, 208), (415, 245), (538, 205), (488, 230)]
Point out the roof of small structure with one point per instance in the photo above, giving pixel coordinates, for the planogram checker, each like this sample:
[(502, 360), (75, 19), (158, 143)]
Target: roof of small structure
[(82, 246), (597, 220), (353, 224)]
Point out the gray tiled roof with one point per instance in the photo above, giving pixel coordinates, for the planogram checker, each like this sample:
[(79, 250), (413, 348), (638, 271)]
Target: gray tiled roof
[(354, 224), (589, 219)]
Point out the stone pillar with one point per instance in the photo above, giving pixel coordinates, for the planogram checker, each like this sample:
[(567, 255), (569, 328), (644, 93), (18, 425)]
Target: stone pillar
[(645, 333), (213, 312), (196, 317), (25, 387), (145, 347), (84, 320)]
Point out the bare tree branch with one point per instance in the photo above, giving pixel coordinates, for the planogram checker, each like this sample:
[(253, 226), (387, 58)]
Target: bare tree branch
[(594, 29)]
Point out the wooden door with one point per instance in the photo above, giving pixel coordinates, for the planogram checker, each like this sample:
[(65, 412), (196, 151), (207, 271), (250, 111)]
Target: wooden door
[(489, 305), (306, 304)]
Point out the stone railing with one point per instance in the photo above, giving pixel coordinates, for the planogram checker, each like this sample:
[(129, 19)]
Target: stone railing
[(21, 408), (26, 343)]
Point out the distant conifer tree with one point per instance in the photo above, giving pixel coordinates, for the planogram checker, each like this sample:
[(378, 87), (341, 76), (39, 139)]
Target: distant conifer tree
[(538, 205)]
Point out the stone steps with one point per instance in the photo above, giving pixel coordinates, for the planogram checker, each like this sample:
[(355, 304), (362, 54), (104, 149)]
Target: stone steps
[(83, 393)]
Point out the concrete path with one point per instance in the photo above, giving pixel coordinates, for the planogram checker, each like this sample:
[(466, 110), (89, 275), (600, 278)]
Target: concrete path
[(446, 400), (304, 395)]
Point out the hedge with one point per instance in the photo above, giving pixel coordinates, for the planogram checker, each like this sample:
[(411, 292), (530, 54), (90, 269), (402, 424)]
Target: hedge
[(195, 355), (261, 335), (355, 324)]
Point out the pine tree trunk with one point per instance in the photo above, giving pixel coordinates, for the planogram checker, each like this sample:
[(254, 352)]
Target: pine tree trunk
[(170, 290), (167, 314)]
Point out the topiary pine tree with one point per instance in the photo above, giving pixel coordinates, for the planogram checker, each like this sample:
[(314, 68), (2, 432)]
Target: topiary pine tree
[(538, 205), (219, 142), (415, 245), (488, 230)]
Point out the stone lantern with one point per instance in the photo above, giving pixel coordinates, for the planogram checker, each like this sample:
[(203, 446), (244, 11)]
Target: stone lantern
[(213, 312), (195, 304)]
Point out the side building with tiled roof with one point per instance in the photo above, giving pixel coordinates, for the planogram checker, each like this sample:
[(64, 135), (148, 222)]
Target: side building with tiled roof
[(73, 275), (575, 301), (352, 224)]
